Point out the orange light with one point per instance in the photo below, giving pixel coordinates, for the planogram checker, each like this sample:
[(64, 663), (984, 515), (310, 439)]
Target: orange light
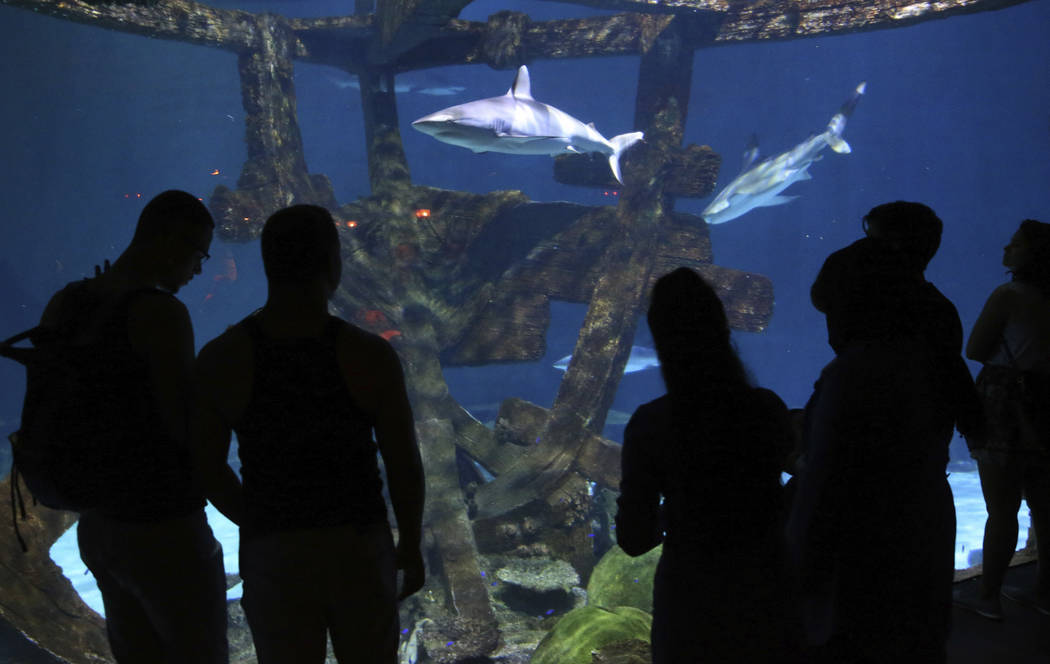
[(215, 172), (351, 224), (247, 218), (422, 212)]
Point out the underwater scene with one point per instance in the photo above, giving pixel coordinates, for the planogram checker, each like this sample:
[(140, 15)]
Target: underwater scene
[(511, 283)]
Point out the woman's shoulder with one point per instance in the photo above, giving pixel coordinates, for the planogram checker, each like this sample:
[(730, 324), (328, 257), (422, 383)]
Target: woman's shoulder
[(659, 407), (766, 399)]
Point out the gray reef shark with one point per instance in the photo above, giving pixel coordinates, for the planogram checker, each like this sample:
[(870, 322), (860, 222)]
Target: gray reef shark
[(640, 359), (760, 185), (515, 123)]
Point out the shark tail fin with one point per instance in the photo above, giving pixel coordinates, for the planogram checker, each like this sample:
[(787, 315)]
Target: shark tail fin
[(833, 135), (620, 144)]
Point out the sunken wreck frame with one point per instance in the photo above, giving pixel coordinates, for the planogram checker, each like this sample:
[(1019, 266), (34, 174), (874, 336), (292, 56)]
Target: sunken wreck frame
[(454, 296)]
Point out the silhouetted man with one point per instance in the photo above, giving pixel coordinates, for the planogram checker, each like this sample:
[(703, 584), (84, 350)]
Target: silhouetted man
[(305, 391), (148, 543)]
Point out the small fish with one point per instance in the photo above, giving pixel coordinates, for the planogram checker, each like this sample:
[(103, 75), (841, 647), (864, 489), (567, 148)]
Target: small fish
[(445, 91), (227, 272), (640, 359)]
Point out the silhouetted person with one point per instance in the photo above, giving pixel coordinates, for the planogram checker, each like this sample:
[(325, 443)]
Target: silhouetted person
[(1012, 339), (901, 239), (305, 391), (712, 448), (148, 544), (872, 526)]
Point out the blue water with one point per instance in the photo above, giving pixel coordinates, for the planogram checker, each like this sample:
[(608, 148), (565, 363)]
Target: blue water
[(957, 115)]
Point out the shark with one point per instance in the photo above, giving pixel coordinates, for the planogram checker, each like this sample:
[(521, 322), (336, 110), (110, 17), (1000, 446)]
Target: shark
[(640, 359), (760, 185), (515, 123)]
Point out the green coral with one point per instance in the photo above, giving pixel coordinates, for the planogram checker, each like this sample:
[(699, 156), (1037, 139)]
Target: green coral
[(620, 580), (586, 629)]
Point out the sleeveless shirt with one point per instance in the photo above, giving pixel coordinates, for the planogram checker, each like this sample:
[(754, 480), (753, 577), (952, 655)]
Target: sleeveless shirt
[(151, 474), (307, 455)]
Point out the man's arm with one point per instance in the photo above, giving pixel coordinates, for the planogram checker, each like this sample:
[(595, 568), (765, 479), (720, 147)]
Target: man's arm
[(211, 426), (395, 435), (160, 331)]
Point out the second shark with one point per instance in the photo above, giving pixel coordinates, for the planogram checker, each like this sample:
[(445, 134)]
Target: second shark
[(760, 185)]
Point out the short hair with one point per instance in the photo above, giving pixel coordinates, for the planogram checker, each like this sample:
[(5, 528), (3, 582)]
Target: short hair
[(297, 243), (913, 227), (169, 211)]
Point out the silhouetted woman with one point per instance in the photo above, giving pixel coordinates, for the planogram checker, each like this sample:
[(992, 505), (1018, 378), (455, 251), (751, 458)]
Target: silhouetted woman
[(712, 449), (1012, 338)]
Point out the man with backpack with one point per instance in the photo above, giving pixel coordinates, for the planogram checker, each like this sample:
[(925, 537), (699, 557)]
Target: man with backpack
[(142, 531), (305, 392)]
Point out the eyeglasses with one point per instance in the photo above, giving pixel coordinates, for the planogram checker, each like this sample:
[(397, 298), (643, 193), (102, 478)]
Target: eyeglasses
[(202, 256)]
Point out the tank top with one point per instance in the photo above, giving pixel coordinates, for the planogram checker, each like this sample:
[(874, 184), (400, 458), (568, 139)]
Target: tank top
[(152, 475), (1023, 345), (307, 455)]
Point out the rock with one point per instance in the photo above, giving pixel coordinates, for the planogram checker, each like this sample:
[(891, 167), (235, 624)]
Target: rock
[(538, 586), (624, 652), (539, 574), (583, 631), (620, 580)]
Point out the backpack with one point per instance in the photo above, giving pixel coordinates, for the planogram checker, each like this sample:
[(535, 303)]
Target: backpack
[(66, 444)]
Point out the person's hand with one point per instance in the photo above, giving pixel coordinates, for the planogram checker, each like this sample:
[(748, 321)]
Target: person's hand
[(410, 561)]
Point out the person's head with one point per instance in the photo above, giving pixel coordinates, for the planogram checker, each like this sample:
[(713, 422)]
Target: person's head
[(300, 246), (691, 332), (173, 234), (865, 294), (911, 228), (1028, 254)]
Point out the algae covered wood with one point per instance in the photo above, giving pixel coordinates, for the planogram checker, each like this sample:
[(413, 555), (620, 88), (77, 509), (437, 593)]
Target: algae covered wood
[(503, 43), (36, 599)]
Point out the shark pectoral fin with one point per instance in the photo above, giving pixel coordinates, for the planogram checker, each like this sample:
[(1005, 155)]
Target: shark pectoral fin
[(716, 207), (839, 145), (775, 200)]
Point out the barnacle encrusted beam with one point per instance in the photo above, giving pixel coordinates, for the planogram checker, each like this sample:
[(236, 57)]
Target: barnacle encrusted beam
[(352, 42)]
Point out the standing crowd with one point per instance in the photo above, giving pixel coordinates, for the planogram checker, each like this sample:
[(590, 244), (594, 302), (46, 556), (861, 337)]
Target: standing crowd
[(849, 562), (852, 561)]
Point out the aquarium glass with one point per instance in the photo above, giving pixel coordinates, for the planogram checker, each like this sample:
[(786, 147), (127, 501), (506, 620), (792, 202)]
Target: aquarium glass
[(955, 114)]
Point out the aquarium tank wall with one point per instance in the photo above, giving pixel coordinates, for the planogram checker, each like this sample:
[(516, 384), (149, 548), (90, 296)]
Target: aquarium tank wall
[(485, 268)]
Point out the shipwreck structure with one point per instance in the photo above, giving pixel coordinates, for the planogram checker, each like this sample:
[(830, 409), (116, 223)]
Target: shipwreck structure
[(455, 296)]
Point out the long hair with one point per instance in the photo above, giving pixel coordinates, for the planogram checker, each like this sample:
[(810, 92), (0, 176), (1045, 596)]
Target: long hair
[(705, 380), (691, 333), (1037, 271)]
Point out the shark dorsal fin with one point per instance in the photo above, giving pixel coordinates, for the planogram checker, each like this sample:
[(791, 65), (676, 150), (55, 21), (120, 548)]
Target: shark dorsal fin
[(750, 154), (522, 87)]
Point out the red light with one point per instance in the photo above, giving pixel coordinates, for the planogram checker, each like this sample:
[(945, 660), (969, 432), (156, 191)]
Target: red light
[(422, 212), (351, 224)]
